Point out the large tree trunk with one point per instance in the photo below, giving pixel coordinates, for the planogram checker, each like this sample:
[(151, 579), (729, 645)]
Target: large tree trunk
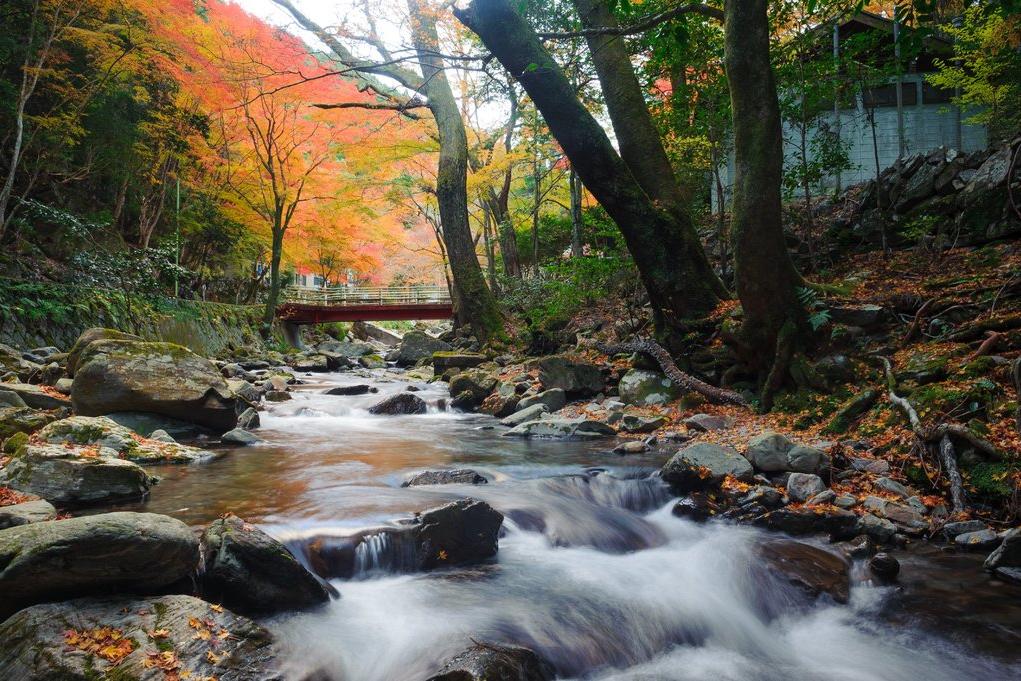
[(673, 268), (640, 144), (274, 281), (576, 193), (766, 280), (475, 301)]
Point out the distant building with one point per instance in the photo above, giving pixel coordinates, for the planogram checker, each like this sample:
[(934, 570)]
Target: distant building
[(922, 120), (306, 278)]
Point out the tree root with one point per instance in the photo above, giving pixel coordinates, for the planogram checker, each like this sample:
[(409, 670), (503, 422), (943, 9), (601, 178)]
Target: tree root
[(670, 369), (938, 440), (992, 338), (781, 365), (916, 323)]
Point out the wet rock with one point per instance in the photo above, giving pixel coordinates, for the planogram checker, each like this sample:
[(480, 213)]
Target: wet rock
[(73, 476), (579, 428), (401, 403), (34, 510), (499, 405), (1008, 554), (839, 524), (696, 507), (416, 346), (245, 390), (554, 399), (240, 437), (489, 662), (803, 486), (360, 389), (456, 476), (90, 336), (160, 435), (642, 387), (879, 529), (23, 420), (951, 530), (459, 533), (704, 423), (456, 360), (160, 378), (983, 540), (470, 387), (372, 362), (247, 654), (578, 379), (100, 431), (884, 567), (631, 447), (249, 571), (861, 546), (525, 414), (346, 349), (128, 552), (812, 569), (249, 419), (766, 496), (278, 396), (701, 466), (36, 396), (632, 423)]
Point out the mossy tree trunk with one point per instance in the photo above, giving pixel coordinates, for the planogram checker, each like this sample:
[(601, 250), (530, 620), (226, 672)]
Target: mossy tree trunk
[(775, 322), (669, 258)]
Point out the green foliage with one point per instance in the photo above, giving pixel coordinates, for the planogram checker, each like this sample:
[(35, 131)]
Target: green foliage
[(818, 314)]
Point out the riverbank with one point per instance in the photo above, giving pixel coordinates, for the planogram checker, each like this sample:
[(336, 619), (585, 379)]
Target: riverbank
[(602, 563)]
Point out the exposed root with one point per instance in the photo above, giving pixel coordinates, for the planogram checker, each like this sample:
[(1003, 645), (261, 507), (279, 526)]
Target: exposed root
[(670, 369), (916, 323), (781, 364), (992, 338)]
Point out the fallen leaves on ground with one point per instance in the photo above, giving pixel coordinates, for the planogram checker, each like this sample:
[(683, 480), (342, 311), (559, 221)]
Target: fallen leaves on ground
[(105, 642)]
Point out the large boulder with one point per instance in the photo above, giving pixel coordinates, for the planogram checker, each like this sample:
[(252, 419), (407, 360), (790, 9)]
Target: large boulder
[(804, 486), (90, 336), (703, 465), (773, 453), (160, 378), (532, 412), (470, 387), (346, 349), (75, 476), (554, 399), (462, 532), (150, 639), (37, 396), (574, 378), (399, 404), (1006, 559), (643, 387), (490, 662), (101, 431), (417, 346), (456, 360), (579, 428), (251, 572), (23, 420), (129, 552), (18, 509), (812, 569)]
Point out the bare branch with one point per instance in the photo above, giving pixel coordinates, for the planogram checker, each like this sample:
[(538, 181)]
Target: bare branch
[(642, 25)]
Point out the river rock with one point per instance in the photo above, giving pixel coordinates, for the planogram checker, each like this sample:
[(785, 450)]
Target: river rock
[(490, 662), (23, 420), (249, 419), (983, 540), (774, 453), (529, 413), (278, 396), (697, 507), (874, 466), (349, 349), (34, 510), (578, 379), (704, 465), (368, 331), (459, 533), (240, 437), (879, 529), (360, 389), (812, 569), (207, 642), (884, 567), (456, 360), (470, 387), (643, 387), (90, 336), (75, 476), (579, 428), (36, 396), (401, 403), (951, 530), (804, 486), (893, 487), (456, 476), (102, 432), (248, 392), (249, 571), (9, 398), (1008, 554), (554, 399), (160, 378), (135, 552), (838, 523), (416, 346), (704, 423), (499, 405), (372, 362), (631, 447), (632, 423)]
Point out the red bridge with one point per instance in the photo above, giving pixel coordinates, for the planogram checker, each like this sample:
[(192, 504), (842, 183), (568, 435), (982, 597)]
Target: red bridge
[(350, 304)]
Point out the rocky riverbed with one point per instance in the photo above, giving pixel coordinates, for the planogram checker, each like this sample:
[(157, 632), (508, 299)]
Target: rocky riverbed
[(358, 511)]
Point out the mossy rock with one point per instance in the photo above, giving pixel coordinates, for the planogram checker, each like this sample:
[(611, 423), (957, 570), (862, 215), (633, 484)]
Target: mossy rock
[(23, 420), (104, 432), (924, 367), (972, 400)]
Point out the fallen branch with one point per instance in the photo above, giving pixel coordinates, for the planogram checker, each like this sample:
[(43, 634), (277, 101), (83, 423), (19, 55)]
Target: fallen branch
[(992, 338), (916, 323), (948, 457), (666, 363)]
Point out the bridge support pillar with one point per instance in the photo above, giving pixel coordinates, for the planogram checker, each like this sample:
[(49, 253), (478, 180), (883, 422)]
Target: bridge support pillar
[(292, 334)]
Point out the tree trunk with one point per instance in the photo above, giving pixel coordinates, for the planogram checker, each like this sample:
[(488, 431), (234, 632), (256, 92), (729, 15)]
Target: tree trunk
[(576, 193), (765, 276), (670, 259), (476, 303), (274, 280)]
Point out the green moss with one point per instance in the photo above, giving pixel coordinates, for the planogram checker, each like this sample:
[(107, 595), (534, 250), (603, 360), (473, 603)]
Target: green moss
[(938, 399), (811, 407), (15, 443), (979, 367), (991, 479)]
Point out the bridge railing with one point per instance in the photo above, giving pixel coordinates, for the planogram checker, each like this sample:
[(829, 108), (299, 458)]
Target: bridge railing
[(353, 295)]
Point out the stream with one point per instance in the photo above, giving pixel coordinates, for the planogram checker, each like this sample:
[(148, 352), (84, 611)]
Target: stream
[(593, 571)]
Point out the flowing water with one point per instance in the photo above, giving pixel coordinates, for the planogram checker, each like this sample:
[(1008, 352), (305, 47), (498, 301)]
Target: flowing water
[(593, 571)]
